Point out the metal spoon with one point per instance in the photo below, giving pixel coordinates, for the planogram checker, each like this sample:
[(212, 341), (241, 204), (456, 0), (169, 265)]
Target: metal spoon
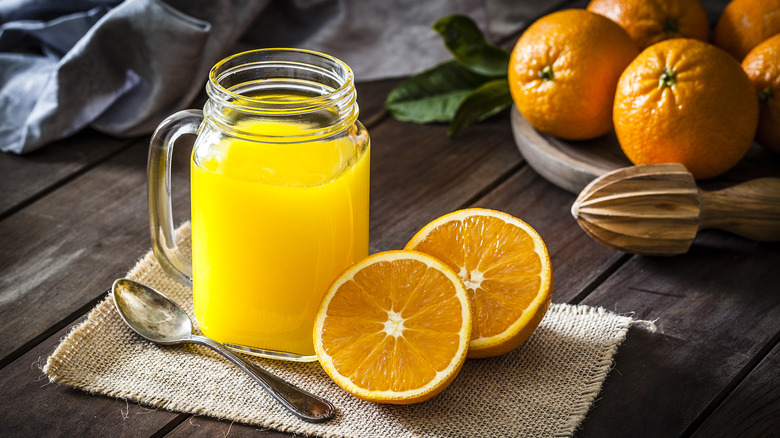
[(160, 320)]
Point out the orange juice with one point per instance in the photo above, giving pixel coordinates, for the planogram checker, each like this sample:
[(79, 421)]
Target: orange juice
[(273, 223)]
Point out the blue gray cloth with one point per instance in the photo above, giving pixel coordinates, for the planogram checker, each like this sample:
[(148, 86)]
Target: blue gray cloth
[(120, 67), (116, 67)]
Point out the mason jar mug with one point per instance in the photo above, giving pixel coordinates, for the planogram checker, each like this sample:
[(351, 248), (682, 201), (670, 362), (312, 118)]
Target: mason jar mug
[(280, 192)]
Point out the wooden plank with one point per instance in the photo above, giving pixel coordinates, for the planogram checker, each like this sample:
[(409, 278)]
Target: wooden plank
[(542, 205), (26, 177), (206, 427), (716, 307), (63, 251), (418, 174), (432, 177), (86, 260), (92, 415), (33, 407), (371, 100), (753, 409)]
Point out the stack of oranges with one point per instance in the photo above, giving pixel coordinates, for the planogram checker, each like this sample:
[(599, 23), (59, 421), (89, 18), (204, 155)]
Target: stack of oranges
[(646, 69)]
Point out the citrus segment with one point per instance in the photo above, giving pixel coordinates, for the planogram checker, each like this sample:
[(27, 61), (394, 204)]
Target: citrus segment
[(505, 267), (394, 328)]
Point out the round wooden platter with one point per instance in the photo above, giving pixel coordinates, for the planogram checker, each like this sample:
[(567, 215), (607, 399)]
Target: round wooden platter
[(571, 165)]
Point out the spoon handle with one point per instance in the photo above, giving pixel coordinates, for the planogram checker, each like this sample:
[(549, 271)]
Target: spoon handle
[(305, 405)]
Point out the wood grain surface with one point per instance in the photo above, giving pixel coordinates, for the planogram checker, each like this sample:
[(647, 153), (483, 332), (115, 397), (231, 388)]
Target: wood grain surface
[(73, 217)]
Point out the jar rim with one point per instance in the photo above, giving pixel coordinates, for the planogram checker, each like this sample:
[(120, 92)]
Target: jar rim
[(228, 65)]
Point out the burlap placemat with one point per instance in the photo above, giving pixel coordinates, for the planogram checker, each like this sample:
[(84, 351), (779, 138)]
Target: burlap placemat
[(544, 388)]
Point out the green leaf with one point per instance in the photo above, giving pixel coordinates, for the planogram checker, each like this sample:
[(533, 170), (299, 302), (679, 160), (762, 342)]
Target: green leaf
[(433, 95), (485, 101), (467, 43)]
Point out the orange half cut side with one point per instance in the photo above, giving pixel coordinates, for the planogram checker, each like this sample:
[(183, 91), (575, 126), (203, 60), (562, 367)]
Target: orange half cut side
[(505, 267), (394, 328)]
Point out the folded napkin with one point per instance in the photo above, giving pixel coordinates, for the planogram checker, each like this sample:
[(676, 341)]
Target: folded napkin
[(544, 388)]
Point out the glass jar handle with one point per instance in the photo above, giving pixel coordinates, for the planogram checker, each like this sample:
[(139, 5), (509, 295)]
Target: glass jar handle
[(159, 184)]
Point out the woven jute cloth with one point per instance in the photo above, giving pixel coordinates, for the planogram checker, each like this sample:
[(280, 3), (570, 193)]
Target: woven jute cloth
[(544, 388)]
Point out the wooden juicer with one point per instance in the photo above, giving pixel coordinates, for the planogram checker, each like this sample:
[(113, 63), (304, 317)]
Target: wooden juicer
[(657, 209)]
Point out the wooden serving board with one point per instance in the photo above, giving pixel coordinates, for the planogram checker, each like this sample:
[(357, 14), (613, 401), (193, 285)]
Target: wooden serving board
[(571, 165)]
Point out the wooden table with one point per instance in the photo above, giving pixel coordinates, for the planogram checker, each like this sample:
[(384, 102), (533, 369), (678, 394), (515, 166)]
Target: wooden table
[(73, 217)]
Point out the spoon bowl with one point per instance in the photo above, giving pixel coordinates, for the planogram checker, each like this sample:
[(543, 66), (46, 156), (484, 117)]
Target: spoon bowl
[(158, 319), (151, 314)]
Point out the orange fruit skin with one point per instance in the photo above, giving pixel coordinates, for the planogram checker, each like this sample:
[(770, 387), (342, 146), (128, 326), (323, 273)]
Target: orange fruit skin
[(650, 21), (519, 338), (584, 54), (745, 23), (762, 66), (706, 120)]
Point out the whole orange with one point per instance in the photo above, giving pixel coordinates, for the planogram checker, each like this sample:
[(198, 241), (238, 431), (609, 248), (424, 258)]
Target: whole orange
[(762, 66), (685, 101), (745, 23), (563, 71), (650, 21)]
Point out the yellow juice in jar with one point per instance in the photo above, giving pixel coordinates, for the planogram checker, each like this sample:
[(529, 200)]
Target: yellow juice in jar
[(273, 224)]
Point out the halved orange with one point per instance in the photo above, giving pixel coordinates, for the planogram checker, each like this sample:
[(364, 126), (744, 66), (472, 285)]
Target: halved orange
[(505, 267), (394, 327)]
